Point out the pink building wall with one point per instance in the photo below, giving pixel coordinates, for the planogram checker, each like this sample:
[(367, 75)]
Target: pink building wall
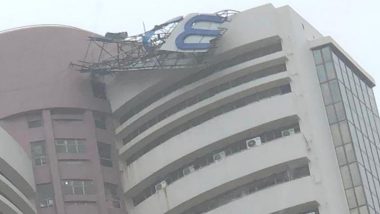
[(35, 76)]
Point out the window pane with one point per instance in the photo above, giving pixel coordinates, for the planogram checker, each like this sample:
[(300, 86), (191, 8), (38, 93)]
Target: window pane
[(355, 174), (330, 70), (70, 145), (335, 92), (317, 56), (35, 123), (326, 93), (351, 199), (112, 194), (326, 52), (38, 148), (360, 195), (45, 195), (81, 146), (100, 120), (321, 73), (105, 154), (340, 155), (60, 148), (331, 114), (345, 132), (346, 177), (340, 111), (350, 153), (336, 135)]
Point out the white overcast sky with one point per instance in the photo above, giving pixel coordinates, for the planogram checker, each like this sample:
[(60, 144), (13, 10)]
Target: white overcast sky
[(354, 24)]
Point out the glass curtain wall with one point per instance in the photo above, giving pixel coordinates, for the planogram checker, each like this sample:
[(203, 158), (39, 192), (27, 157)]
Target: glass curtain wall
[(354, 123)]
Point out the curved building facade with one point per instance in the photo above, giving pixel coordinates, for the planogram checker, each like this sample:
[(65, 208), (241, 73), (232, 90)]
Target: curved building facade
[(17, 191), (61, 118), (274, 119), (250, 131)]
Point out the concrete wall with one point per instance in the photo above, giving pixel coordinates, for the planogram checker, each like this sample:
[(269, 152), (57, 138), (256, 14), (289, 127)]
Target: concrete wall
[(248, 29), (17, 190), (36, 78)]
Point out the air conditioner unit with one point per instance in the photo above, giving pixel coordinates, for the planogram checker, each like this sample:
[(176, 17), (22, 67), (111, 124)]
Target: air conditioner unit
[(188, 170), (46, 203), (50, 202), (160, 186), (287, 132), (219, 156), (253, 142)]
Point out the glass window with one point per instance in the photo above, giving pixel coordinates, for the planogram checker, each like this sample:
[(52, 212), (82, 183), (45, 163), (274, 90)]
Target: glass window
[(326, 94), (99, 89), (330, 70), (301, 172), (100, 120), (363, 210), (355, 174), (340, 111), (338, 70), (365, 93), (317, 56), (351, 80), (105, 154), (351, 199), (78, 187), (38, 153), (354, 211), (340, 155), (331, 114), (67, 114), (350, 152), (35, 123), (321, 73), (326, 52), (345, 132), (45, 195), (344, 74), (372, 100), (360, 195), (334, 89), (346, 177), (34, 120), (69, 145), (112, 195), (337, 139)]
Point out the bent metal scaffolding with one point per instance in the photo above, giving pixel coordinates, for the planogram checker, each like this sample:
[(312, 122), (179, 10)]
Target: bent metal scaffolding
[(118, 52)]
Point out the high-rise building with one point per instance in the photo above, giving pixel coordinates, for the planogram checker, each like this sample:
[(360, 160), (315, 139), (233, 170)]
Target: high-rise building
[(232, 112), (17, 192), (276, 119), (61, 118)]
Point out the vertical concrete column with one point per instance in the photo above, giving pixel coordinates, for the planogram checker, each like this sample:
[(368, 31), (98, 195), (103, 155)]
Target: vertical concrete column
[(92, 149), (53, 162)]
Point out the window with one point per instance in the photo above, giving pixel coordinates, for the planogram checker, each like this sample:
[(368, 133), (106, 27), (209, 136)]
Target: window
[(301, 172), (100, 120), (68, 115), (250, 188), (99, 89), (38, 153), (45, 194), (231, 149), (105, 154), (34, 120), (78, 187), (260, 95), (69, 145), (112, 194)]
